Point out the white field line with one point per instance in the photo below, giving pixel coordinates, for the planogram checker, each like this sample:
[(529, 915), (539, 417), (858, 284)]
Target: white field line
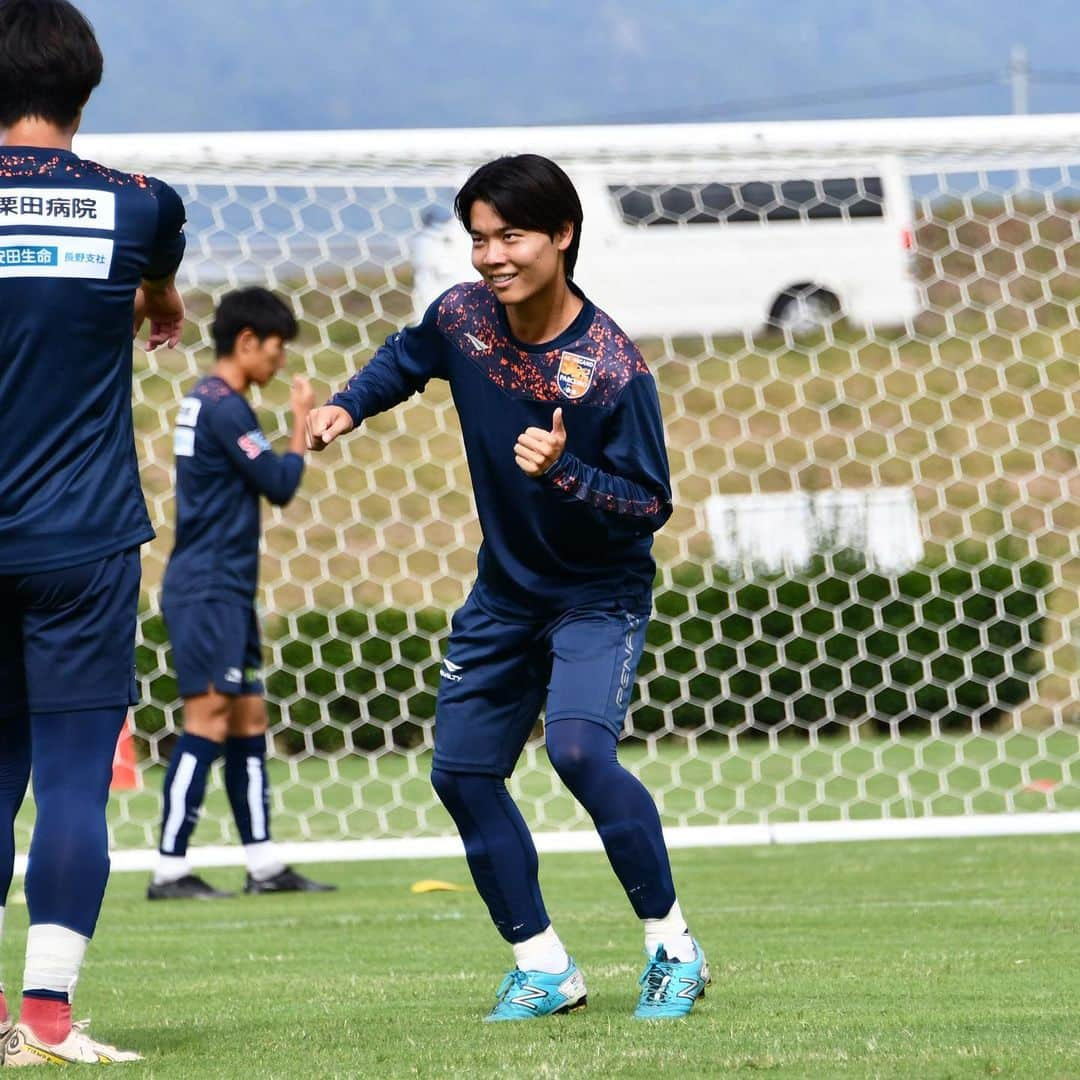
[(707, 836)]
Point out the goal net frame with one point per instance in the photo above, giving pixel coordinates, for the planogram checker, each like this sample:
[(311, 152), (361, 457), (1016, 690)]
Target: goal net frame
[(966, 412)]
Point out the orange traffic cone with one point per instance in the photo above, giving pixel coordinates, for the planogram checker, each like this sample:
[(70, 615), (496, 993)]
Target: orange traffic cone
[(125, 775)]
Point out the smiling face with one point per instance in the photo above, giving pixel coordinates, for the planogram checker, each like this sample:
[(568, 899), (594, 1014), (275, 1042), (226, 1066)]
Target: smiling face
[(520, 265)]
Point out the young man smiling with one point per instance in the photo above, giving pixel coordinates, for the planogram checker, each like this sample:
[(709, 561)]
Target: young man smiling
[(565, 444)]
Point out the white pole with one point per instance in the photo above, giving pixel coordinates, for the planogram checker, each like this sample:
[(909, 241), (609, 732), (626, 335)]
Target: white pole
[(1018, 72)]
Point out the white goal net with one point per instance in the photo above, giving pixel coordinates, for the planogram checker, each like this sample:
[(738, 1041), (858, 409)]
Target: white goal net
[(865, 338)]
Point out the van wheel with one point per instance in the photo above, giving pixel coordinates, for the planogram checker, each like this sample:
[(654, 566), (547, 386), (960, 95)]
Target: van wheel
[(803, 309)]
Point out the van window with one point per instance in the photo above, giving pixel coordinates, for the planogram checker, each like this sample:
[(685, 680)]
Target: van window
[(754, 201)]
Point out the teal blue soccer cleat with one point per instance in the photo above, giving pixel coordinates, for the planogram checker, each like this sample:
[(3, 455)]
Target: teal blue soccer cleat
[(526, 995), (670, 988)]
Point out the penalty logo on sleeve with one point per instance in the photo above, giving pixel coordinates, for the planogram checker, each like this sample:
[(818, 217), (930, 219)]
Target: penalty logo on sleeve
[(575, 374), (253, 443)]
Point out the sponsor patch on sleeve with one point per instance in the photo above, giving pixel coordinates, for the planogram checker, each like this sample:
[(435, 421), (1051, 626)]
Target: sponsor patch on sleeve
[(188, 416), (253, 443), (184, 442)]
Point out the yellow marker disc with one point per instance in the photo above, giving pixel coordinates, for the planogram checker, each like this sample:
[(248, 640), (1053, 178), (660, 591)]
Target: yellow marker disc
[(430, 885)]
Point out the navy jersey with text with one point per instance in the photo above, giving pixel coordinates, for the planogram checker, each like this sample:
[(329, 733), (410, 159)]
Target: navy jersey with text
[(223, 465), (76, 240), (582, 533)]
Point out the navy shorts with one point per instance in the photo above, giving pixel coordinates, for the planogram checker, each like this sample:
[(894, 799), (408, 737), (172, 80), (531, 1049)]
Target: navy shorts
[(497, 674), (215, 645), (67, 637)]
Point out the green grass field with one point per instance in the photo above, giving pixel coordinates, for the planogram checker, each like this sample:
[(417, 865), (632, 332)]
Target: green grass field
[(932, 959)]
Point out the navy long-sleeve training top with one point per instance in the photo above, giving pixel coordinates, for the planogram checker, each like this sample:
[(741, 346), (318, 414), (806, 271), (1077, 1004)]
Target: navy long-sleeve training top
[(224, 463), (582, 533), (76, 239)]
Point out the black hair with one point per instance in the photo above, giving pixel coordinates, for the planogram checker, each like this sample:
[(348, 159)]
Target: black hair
[(255, 309), (50, 61), (528, 191)]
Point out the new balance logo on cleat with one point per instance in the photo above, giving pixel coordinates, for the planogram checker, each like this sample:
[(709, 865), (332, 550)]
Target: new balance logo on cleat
[(528, 996), (572, 989), (525, 995)]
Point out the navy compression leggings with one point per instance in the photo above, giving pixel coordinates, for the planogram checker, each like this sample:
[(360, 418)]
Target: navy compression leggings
[(501, 853)]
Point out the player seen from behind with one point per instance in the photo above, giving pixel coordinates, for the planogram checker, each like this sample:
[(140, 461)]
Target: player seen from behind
[(85, 253)]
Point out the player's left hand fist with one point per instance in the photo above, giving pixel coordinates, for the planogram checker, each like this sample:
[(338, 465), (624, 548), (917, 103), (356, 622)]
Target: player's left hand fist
[(301, 397), (537, 450)]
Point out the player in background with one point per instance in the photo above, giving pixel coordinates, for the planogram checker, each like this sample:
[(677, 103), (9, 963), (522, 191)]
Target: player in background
[(224, 464), (565, 445), (85, 252)]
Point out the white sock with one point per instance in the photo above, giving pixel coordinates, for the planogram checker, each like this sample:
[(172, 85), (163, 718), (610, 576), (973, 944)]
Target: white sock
[(542, 952), (54, 955), (171, 868), (263, 860), (671, 932)]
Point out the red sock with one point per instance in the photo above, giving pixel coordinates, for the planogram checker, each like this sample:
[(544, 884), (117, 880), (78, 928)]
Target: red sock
[(4, 1015), (49, 1020)]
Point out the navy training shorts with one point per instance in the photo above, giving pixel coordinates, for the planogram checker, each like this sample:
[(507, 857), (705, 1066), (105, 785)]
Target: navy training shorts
[(497, 673), (215, 645), (67, 636)]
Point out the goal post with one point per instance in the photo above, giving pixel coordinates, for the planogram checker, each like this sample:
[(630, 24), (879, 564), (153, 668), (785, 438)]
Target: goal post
[(866, 600)]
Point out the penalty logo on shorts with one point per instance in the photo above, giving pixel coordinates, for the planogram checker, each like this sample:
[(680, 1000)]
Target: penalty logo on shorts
[(575, 374), (451, 671)]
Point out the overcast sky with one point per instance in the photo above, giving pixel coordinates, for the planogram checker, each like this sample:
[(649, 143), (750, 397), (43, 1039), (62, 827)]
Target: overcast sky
[(274, 64)]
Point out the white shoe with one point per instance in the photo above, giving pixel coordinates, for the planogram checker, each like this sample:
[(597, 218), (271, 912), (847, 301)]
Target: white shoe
[(23, 1047)]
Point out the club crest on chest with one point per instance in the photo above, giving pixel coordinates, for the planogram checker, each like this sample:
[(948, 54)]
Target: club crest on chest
[(575, 375)]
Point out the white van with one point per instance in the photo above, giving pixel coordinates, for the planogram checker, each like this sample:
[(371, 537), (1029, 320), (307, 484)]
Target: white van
[(674, 252)]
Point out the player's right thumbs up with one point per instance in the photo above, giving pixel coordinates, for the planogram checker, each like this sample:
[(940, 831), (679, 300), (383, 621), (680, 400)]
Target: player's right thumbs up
[(537, 450)]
